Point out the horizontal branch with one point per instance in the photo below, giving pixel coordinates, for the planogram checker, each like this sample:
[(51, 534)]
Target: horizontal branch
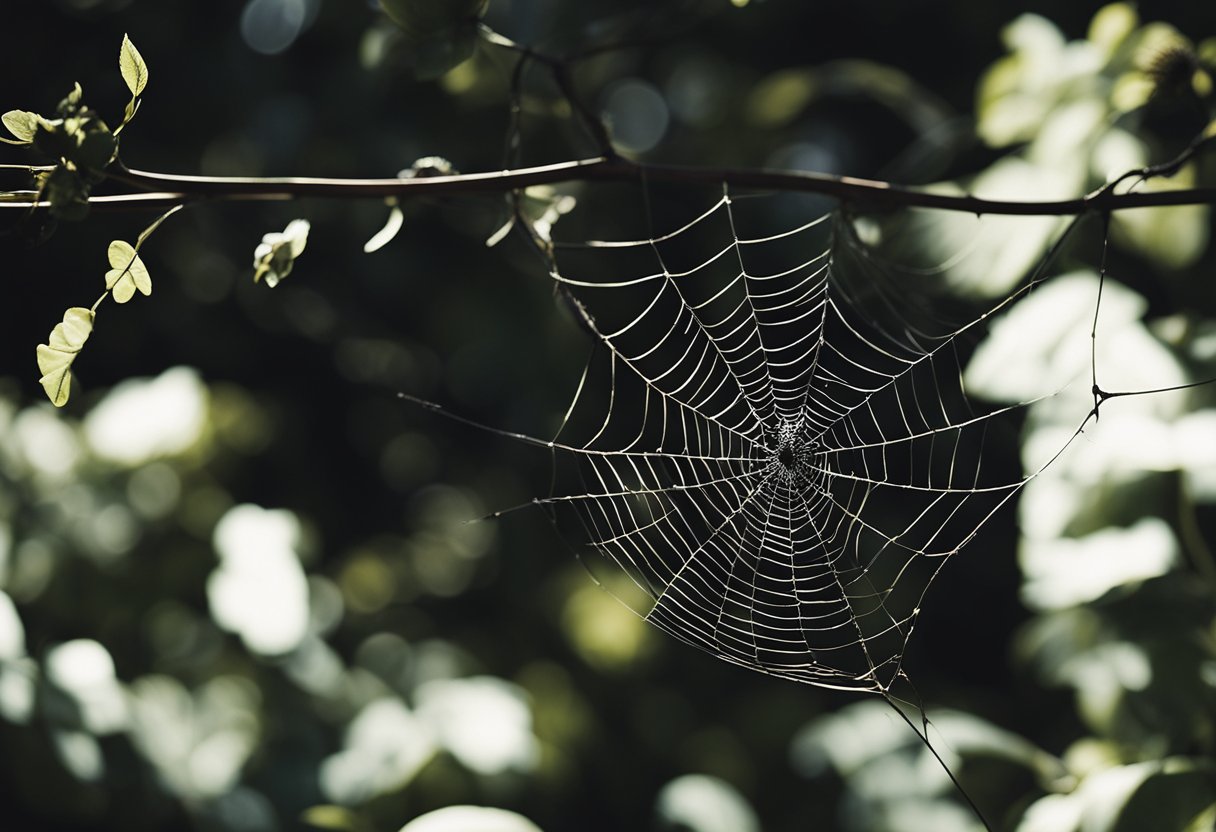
[(157, 189)]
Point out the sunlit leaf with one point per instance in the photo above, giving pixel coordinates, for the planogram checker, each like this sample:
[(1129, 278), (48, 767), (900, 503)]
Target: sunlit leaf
[(1162, 794), (131, 64), (55, 357), (275, 256), (385, 235), (502, 232), (127, 273), (129, 111), (70, 335), (542, 206), (21, 123), (71, 102)]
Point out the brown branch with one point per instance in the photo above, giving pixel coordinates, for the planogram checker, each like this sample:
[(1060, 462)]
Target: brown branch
[(866, 192)]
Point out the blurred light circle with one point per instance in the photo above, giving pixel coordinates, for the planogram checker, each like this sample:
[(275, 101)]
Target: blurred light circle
[(271, 26), (637, 113)]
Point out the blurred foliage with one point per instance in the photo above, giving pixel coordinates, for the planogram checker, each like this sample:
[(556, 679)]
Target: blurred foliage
[(248, 596)]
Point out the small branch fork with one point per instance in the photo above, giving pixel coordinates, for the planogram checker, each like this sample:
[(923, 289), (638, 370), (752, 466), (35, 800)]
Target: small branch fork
[(152, 190)]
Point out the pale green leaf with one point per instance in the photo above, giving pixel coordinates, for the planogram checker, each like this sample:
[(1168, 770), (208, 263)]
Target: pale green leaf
[(385, 235), (70, 335), (275, 256), (21, 123), (128, 113), (131, 64), (55, 358), (56, 369), (542, 206), (128, 272), (502, 232), (71, 102)]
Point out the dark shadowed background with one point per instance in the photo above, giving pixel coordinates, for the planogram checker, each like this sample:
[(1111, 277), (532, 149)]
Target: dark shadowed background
[(389, 656)]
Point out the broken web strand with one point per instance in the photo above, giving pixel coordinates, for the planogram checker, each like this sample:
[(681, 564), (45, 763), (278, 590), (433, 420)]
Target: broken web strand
[(1101, 396)]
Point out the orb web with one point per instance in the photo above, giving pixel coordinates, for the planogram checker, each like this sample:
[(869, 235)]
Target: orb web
[(773, 440)]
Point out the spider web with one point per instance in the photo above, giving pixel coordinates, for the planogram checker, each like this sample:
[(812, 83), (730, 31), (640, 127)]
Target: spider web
[(772, 439)]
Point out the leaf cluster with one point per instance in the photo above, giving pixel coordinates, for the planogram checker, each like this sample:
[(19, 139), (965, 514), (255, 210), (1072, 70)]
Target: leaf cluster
[(77, 138)]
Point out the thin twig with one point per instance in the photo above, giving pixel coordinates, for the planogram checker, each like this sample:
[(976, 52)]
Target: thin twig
[(864, 192)]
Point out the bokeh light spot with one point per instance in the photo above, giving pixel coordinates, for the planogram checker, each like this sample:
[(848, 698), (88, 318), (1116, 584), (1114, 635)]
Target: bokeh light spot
[(637, 113)]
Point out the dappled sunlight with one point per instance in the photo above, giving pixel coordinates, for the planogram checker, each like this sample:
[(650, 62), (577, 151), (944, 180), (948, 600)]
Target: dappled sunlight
[(16, 671), (603, 628), (43, 442), (1069, 571), (702, 803), (483, 721), (470, 819), (84, 670), (198, 740), (385, 746), (259, 590), (141, 419)]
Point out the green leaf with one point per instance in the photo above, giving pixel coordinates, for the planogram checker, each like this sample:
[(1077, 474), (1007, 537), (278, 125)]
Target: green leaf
[(385, 235), (128, 272), (21, 123), (55, 358), (131, 65), (128, 113), (275, 256)]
